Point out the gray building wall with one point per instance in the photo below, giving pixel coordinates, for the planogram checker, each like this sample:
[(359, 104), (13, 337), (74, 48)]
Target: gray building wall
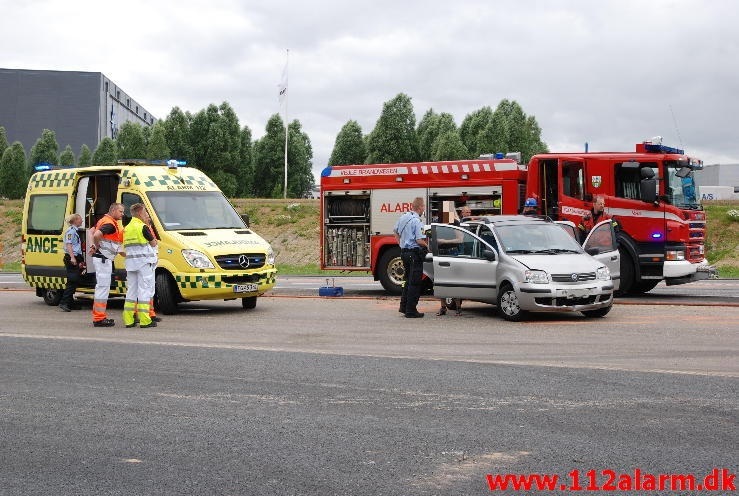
[(719, 175), (73, 104)]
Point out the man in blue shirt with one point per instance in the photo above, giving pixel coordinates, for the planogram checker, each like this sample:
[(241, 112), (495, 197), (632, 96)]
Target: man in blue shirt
[(73, 261), (413, 246)]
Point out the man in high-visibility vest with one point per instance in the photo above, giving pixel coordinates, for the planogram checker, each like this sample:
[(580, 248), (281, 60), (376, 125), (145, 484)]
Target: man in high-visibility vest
[(152, 311), (107, 240), (139, 244)]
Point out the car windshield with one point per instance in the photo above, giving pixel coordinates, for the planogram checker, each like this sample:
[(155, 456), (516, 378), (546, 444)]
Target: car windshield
[(680, 187), (549, 239), (183, 210)]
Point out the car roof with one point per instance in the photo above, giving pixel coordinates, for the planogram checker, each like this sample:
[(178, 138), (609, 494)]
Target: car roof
[(499, 220)]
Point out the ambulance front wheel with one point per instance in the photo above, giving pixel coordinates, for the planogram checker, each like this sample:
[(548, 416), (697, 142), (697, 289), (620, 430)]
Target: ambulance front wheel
[(52, 297), (166, 294), (391, 272), (249, 303)]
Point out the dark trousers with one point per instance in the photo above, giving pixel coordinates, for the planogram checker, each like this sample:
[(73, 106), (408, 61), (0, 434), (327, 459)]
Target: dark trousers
[(73, 280), (413, 268)]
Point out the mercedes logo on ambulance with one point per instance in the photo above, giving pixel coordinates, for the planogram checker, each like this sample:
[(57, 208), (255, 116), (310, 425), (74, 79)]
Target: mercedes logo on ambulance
[(244, 261), (573, 277)]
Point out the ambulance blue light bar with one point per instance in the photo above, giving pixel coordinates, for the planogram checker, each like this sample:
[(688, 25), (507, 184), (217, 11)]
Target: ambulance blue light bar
[(43, 167), (662, 149)]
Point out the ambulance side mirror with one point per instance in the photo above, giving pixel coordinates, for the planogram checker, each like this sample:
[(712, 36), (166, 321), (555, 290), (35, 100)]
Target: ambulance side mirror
[(245, 218)]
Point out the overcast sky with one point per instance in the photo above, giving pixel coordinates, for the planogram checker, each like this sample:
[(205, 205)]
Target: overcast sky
[(597, 71)]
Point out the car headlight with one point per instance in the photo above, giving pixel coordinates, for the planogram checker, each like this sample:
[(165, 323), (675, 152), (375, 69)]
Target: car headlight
[(197, 259), (537, 277), (675, 255), (270, 256), (603, 274)]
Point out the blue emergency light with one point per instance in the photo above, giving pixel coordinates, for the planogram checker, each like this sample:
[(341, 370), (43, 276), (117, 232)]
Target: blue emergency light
[(662, 149), (43, 167), (499, 155), (656, 235)]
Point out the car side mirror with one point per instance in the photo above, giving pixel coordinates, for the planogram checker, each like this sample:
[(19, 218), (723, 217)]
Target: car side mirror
[(245, 218), (592, 251), (429, 257), (488, 255)]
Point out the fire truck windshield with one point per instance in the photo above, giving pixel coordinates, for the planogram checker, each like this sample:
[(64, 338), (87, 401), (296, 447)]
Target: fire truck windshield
[(680, 185)]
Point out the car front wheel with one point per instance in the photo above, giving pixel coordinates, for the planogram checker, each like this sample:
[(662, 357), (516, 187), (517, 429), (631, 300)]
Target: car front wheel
[(508, 304)]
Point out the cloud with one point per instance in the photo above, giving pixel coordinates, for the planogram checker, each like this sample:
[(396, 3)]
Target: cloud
[(606, 72)]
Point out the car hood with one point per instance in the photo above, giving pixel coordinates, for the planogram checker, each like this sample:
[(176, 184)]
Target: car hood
[(562, 263), (222, 241)]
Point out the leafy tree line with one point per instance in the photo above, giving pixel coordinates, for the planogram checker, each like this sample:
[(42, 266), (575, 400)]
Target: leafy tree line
[(396, 138), (211, 140)]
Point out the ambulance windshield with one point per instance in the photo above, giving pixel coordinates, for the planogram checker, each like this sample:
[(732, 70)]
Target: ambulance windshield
[(184, 210)]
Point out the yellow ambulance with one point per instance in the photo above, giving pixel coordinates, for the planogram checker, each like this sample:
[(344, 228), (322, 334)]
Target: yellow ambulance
[(206, 250)]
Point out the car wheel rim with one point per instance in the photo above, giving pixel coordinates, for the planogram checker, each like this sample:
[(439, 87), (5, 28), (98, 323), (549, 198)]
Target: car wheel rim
[(509, 303), (395, 271)]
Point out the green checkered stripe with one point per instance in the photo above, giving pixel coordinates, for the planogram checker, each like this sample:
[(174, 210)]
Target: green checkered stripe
[(214, 280), (173, 180), (52, 179), (46, 282), (129, 174), (120, 286)]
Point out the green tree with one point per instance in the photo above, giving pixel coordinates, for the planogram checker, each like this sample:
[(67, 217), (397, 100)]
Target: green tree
[(85, 156), (299, 162), (177, 132), (106, 153), (449, 146), (394, 137), (516, 120), (437, 125), (3, 140), (269, 153), (131, 141), (66, 158), (472, 126), (157, 147), (534, 144), (44, 151), (349, 148), (246, 167), (201, 138), (13, 177), (494, 136)]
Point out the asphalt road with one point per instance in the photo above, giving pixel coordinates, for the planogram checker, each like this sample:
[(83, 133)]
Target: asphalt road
[(708, 291), (314, 396)]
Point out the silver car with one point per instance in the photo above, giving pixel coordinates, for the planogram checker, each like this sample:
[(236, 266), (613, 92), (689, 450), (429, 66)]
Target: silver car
[(524, 264)]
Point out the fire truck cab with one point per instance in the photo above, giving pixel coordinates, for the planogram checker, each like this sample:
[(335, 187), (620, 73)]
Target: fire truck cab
[(652, 195), (361, 203)]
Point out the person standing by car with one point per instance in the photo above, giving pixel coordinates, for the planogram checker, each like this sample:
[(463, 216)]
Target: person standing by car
[(74, 262), (107, 240), (450, 246), (597, 214), (413, 247), (464, 212), (139, 243)]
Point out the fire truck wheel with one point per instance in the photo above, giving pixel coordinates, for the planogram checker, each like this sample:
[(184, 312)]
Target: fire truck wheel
[(601, 312), (508, 304), (165, 298), (642, 287), (52, 297), (391, 271), (627, 273), (249, 303)]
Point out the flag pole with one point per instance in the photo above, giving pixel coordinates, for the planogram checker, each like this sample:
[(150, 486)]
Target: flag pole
[(287, 96)]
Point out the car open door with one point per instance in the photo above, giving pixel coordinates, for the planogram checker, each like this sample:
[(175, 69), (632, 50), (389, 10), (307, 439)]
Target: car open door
[(603, 239), (464, 266)]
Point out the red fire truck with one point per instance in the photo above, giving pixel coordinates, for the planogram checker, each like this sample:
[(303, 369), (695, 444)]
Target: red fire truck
[(651, 193)]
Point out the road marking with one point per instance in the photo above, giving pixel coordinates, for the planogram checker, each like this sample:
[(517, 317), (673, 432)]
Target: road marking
[(525, 363)]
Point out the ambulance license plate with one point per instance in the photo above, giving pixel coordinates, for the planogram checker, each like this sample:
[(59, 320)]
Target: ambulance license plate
[(246, 288)]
